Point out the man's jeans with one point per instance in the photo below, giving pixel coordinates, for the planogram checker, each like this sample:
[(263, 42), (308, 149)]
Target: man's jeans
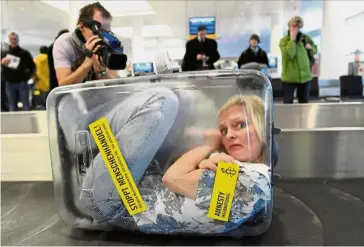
[(15, 89), (140, 124)]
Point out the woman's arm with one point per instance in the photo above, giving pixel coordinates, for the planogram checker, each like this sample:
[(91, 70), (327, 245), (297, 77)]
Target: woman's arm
[(183, 176), (288, 48)]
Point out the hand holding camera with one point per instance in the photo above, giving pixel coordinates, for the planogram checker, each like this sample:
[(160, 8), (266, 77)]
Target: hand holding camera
[(98, 66), (92, 45)]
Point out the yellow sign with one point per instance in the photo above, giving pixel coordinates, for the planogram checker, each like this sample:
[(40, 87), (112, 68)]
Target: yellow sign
[(223, 191), (117, 166), (210, 36)]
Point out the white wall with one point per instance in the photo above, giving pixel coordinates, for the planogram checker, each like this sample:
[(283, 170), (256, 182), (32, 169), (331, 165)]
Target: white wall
[(341, 34), (36, 23)]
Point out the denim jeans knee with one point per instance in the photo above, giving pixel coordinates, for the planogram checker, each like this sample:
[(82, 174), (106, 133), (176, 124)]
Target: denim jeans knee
[(140, 124)]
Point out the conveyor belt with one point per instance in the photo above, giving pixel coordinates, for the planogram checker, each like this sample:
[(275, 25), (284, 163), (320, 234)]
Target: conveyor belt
[(306, 212)]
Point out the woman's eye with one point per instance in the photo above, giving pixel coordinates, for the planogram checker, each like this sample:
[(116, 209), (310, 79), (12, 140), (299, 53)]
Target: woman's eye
[(241, 125), (223, 131)]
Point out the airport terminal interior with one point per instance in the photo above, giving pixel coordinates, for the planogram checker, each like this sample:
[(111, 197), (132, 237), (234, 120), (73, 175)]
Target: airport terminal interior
[(67, 66)]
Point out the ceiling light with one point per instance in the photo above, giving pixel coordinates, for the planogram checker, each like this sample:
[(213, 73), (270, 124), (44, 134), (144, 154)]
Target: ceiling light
[(124, 32), (156, 31), (61, 5), (150, 43), (172, 42), (128, 8)]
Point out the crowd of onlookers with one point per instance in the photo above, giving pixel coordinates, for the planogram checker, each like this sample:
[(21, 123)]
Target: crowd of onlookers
[(73, 59), (26, 80)]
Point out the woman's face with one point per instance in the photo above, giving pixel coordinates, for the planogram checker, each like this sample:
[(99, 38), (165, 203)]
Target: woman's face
[(233, 127)]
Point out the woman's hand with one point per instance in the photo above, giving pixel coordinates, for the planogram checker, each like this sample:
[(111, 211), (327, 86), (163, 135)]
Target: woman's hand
[(207, 164), (213, 138), (212, 162), (222, 157)]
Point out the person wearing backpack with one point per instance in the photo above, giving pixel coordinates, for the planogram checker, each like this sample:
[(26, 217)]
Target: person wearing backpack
[(297, 50)]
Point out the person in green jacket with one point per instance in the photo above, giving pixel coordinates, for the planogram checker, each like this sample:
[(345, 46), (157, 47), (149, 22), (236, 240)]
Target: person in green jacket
[(297, 50)]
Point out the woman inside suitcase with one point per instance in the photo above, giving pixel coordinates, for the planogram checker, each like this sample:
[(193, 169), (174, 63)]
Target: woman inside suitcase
[(178, 201)]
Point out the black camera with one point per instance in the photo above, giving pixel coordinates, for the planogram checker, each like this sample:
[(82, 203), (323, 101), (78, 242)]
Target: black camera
[(111, 51)]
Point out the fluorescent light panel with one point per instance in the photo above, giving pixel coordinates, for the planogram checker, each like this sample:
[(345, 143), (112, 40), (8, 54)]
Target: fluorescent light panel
[(156, 31), (61, 5), (173, 42), (125, 32), (128, 8), (147, 31), (116, 8), (150, 43)]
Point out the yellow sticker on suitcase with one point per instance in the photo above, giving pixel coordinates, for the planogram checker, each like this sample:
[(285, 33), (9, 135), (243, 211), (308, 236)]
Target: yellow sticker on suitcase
[(223, 191), (117, 166)]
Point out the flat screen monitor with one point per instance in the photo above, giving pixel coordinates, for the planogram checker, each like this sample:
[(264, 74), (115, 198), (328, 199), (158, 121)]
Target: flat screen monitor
[(143, 67), (208, 22), (273, 62)]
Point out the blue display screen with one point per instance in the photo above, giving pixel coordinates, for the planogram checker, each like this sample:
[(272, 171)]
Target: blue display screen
[(273, 62), (208, 22), (143, 67)]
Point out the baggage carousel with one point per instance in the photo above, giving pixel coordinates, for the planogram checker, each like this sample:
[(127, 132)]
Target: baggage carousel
[(319, 200), (306, 212)]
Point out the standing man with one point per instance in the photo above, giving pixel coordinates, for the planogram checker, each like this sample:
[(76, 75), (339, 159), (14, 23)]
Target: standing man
[(254, 53), (74, 54), (297, 54), (201, 52), (18, 67)]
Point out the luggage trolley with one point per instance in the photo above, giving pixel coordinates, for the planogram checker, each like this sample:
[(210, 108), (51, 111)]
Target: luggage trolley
[(190, 153)]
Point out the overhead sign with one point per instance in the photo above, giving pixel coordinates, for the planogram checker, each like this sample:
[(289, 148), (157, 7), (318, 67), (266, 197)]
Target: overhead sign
[(208, 22)]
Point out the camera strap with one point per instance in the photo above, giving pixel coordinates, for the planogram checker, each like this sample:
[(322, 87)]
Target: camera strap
[(79, 42)]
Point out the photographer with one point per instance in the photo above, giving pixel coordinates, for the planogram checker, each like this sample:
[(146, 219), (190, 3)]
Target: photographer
[(75, 53)]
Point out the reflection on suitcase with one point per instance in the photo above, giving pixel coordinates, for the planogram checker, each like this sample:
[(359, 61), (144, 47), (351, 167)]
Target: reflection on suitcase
[(190, 154)]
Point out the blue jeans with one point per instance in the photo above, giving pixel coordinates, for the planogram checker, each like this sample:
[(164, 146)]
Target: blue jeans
[(140, 124), (15, 89)]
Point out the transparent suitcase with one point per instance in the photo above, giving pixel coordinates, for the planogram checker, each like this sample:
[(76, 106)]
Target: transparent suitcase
[(187, 153)]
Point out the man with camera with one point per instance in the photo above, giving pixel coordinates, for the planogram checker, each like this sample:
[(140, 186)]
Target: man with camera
[(80, 56)]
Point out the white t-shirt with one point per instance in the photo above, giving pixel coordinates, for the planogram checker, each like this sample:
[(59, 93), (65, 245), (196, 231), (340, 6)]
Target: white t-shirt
[(65, 55)]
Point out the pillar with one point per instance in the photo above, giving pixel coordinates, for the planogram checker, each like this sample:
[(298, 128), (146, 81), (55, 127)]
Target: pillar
[(5, 28), (137, 41), (277, 30), (333, 40), (74, 9)]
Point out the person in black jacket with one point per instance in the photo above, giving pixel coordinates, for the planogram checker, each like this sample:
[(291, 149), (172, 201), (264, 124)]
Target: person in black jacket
[(17, 67), (201, 52), (254, 53), (53, 82)]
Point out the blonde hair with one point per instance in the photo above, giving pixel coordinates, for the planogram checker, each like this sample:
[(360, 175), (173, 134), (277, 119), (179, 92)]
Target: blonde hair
[(254, 107), (297, 20)]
